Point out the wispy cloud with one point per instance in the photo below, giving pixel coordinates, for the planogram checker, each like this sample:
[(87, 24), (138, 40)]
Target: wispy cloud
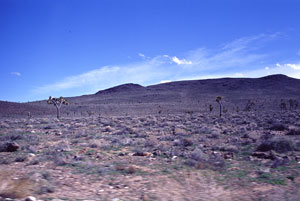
[(16, 73), (238, 58), (293, 66), (141, 55), (182, 61)]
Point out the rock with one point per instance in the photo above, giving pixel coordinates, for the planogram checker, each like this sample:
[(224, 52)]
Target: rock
[(9, 147), (180, 131), (142, 154), (264, 155), (116, 199), (263, 171), (30, 198), (48, 127), (228, 156)]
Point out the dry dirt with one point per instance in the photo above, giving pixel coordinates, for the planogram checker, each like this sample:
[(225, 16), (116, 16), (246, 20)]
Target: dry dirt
[(187, 156)]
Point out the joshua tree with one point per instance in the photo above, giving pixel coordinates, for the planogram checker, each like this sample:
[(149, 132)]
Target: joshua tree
[(90, 113), (249, 106), (282, 105), (219, 101), (57, 102), (293, 104), (211, 108), (29, 115)]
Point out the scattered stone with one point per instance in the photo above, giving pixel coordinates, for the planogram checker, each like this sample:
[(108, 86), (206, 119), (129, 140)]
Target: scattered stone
[(142, 154), (180, 131), (264, 155), (116, 199), (30, 198), (228, 156), (263, 171), (9, 147)]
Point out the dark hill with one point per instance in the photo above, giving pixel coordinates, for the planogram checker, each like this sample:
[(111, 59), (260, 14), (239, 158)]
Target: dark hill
[(125, 88), (264, 93)]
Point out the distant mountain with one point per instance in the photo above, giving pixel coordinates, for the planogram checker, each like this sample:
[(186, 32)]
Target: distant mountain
[(125, 88), (192, 95), (11, 109)]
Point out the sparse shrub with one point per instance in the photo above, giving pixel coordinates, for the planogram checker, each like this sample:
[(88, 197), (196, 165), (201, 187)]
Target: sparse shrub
[(249, 106), (294, 131), (57, 102), (21, 158), (280, 145), (104, 170), (277, 126), (131, 170), (198, 155), (45, 189), (60, 160)]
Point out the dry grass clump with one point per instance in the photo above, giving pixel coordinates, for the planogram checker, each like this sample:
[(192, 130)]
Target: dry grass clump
[(11, 187)]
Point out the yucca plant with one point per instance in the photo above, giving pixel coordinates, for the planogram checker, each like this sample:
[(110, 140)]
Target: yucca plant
[(211, 108), (219, 101), (57, 102)]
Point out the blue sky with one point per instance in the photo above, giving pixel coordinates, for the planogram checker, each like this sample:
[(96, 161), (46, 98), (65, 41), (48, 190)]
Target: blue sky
[(76, 47)]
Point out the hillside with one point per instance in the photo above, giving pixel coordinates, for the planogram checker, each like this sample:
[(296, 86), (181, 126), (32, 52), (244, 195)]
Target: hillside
[(264, 93)]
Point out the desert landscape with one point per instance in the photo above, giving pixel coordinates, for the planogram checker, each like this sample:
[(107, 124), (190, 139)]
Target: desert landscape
[(216, 139)]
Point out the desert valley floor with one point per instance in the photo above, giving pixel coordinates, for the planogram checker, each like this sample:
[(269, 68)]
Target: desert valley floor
[(183, 156)]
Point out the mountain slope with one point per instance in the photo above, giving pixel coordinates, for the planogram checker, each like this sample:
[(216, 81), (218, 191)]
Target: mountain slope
[(195, 95)]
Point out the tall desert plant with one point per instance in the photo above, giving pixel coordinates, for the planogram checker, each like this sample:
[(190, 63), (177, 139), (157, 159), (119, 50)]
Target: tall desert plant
[(219, 101), (57, 102)]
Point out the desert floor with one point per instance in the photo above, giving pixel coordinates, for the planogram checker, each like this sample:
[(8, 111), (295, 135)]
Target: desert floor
[(188, 156)]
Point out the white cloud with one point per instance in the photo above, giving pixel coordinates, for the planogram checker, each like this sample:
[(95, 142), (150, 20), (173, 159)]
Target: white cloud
[(235, 59), (90, 82), (180, 62), (16, 73), (165, 81), (294, 66), (238, 75), (141, 55)]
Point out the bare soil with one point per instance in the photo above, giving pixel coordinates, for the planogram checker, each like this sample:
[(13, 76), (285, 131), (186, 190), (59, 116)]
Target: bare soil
[(181, 156)]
